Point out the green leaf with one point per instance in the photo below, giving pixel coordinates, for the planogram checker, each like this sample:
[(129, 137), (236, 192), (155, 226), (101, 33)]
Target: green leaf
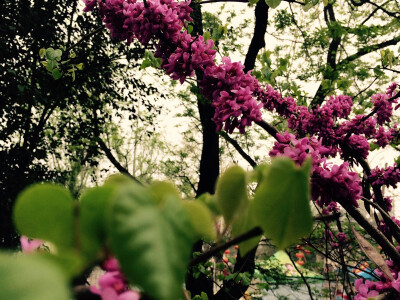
[(46, 212), (190, 29), (152, 242), (326, 2), (378, 72), (146, 63), (72, 55), (210, 202), (201, 218), (273, 3), (79, 66), (31, 277), (68, 261), (56, 74), (50, 54), (161, 190), (51, 64), (231, 193), (42, 52), (281, 202), (57, 54), (244, 224), (92, 211)]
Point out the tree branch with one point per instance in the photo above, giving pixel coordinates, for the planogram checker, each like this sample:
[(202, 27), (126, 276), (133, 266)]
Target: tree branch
[(238, 148), (268, 128), (301, 275), (258, 40), (210, 253)]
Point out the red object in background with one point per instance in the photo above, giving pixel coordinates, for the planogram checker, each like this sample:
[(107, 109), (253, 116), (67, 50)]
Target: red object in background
[(300, 255), (298, 247), (307, 251), (236, 247), (227, 251), (225, 260), (300, 262)]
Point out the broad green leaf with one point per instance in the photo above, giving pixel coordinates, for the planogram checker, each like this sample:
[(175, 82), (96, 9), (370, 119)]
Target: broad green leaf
[(210, 202), (162, 190), (92, 211), (50, 54), (231, 193), (146, 63), (201, 218), (281, 202), (57, 54), (42, 52), (46, 212), (68, 261), (79, 66), (51, 64), (56, 74), (244, 224), (31, 277), (273, 3), (152, 241), (117, 179)]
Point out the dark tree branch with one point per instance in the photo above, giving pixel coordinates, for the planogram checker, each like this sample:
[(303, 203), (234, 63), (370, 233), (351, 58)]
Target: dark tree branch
[(258, 40), (268, 128), (368, 49), (238, 148), (107, 151), (301, 275), (215, 250), (331, 69), (114, 161), (86, 36), (378, 236)]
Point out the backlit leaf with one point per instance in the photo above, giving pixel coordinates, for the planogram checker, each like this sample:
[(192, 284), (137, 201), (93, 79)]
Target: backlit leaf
[(231, 193), (31, 277), (46, 212), (281, 202), (151, 240)]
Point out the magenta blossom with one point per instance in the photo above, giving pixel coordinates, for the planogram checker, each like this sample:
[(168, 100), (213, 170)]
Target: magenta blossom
[(29, 246)]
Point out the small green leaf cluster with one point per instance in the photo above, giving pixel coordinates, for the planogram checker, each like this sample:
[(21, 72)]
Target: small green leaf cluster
[(150, 61), (58, 67)]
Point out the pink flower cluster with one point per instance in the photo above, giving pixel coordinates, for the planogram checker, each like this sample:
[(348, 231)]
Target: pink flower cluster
[(188, 53), (382, 226), (328, 183), (128, 18), (370, 289), (232, 93), (113, 285), (383, 107), (389, 176)]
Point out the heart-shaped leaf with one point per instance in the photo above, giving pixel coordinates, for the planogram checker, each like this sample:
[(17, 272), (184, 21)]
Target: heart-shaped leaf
[(244, 224), (273, 3), (231, 193), (92, 211), (201, 218), (151, 240), (281, 202), (46, 212)]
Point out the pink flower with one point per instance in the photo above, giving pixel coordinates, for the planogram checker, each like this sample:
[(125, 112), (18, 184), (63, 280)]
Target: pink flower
[(29, 246)]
